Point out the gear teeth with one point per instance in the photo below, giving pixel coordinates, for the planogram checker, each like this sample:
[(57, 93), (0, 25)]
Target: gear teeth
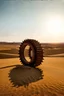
[(38, 51)]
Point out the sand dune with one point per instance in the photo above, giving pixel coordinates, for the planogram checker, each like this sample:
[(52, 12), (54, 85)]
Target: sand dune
[(18, 80), (45, 80)]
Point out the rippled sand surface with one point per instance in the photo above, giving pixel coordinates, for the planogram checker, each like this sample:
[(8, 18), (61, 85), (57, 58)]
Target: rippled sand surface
[(45, 80)]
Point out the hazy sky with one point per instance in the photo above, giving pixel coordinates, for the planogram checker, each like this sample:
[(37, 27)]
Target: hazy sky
[(42, 20)]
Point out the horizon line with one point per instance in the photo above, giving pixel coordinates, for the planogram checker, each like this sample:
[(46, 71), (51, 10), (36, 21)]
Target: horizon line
[(40, 42)]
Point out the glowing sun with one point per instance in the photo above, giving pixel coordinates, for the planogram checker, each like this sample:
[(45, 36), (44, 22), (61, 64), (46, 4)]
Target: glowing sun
[(54, 25)]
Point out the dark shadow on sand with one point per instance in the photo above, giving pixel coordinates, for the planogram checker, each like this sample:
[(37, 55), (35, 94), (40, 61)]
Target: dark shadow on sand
[(8, 66), (6, 56), (10, 51), (24, 75), (14, 53)]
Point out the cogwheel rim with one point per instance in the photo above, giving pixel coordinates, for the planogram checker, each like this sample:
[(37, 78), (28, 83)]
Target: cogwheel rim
[(38, 58)]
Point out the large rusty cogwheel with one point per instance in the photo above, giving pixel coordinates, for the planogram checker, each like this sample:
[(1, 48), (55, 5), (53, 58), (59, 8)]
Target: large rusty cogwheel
[(31, 53)]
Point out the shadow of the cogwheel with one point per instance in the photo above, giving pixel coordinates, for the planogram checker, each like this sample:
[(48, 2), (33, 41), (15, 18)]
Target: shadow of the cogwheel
[(23, 75)]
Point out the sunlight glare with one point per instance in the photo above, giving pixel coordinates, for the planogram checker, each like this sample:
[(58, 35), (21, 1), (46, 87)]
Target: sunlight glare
[(54, 25)]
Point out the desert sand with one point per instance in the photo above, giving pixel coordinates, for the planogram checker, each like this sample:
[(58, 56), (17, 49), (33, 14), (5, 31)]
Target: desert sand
[(45, 80), (17, 80)]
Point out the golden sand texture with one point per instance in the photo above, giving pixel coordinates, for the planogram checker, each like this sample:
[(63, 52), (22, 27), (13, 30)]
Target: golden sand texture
[(45, 80)]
